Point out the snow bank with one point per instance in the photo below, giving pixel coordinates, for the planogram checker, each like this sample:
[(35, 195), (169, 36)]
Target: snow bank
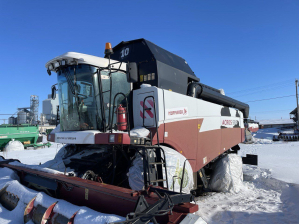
[(175, 163), (227, 175), (262, 199), (13, 146), (34, 157), (57, 165)]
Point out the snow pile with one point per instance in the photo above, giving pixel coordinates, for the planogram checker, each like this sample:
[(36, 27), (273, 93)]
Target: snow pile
[(227, 175), (262, 199), (175, 164), (14, 146), (261, 141), (34, 157), (85, 215), (139, 132), (57, 165)]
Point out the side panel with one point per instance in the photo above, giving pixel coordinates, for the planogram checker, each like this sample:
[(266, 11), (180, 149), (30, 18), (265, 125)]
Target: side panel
[(198, 129), (209, 143), (182, 135), (138, 98)]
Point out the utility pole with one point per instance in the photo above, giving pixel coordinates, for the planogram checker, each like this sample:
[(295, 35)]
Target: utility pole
[(296, 83)]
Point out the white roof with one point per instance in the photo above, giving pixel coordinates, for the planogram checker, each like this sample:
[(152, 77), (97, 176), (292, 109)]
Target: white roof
[(278, 121), (70, 57)]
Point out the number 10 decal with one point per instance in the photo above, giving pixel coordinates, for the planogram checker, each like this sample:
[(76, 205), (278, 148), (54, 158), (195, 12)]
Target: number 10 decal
[(124, 52)]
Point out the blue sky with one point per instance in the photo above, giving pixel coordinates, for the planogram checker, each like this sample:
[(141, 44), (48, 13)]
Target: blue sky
[(248, 48)]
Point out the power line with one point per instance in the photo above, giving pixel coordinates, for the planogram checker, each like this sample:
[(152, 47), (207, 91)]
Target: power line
[(272, 111), (264, 86), (270, 98), (262, 90), (259, 87)]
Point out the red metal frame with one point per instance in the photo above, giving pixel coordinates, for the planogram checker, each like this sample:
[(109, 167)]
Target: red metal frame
[(103, 197), (120, 139)]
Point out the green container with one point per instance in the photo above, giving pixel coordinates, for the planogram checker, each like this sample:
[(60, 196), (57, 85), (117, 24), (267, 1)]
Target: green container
[(25, 133)]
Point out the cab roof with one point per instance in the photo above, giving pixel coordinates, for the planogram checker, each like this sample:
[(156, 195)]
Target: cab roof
[(74, 58)]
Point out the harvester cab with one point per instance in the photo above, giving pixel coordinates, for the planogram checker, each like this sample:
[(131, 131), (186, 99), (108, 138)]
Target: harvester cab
[(87, 85)]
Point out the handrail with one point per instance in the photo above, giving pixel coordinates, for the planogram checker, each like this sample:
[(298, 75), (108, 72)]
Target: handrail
[(127, 108), (154, 114)]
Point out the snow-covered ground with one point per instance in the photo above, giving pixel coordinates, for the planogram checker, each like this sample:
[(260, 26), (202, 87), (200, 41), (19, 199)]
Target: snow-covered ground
[(34, 157), (270, 192)]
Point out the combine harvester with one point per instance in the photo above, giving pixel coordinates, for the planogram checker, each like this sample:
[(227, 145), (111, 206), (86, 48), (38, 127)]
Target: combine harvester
[(138, 104)]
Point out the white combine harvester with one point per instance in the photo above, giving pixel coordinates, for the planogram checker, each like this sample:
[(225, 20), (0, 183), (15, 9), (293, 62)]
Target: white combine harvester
[(139, 105)]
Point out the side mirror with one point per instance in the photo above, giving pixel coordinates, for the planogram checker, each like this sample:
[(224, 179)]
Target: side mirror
[(132, 72), (53, 92)]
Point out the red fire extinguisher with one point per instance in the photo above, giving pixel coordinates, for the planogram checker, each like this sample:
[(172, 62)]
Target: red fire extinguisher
[(121, 118)]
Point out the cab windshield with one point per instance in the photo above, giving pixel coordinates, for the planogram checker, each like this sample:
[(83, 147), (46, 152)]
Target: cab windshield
[(84, 104)]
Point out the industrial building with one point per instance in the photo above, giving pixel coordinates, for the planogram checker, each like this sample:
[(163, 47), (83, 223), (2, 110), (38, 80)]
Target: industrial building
[(279, 123), (27, 115), (49, 114)]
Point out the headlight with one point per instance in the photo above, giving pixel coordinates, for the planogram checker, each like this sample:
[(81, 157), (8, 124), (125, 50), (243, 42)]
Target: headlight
[(111, 138), (56, 64), (50, 67)]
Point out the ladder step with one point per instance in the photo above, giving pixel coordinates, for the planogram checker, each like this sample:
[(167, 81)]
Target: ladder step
[(158, 163), (160, 180)]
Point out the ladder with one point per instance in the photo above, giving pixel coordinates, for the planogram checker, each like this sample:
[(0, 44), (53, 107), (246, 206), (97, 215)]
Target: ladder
[(154, 164)]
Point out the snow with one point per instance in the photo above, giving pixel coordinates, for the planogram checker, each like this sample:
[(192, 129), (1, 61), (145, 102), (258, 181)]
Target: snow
[(139, 132), (9, 179), (13, 146), (263, 199), (281, 158), (270, 192), (34, 157)]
